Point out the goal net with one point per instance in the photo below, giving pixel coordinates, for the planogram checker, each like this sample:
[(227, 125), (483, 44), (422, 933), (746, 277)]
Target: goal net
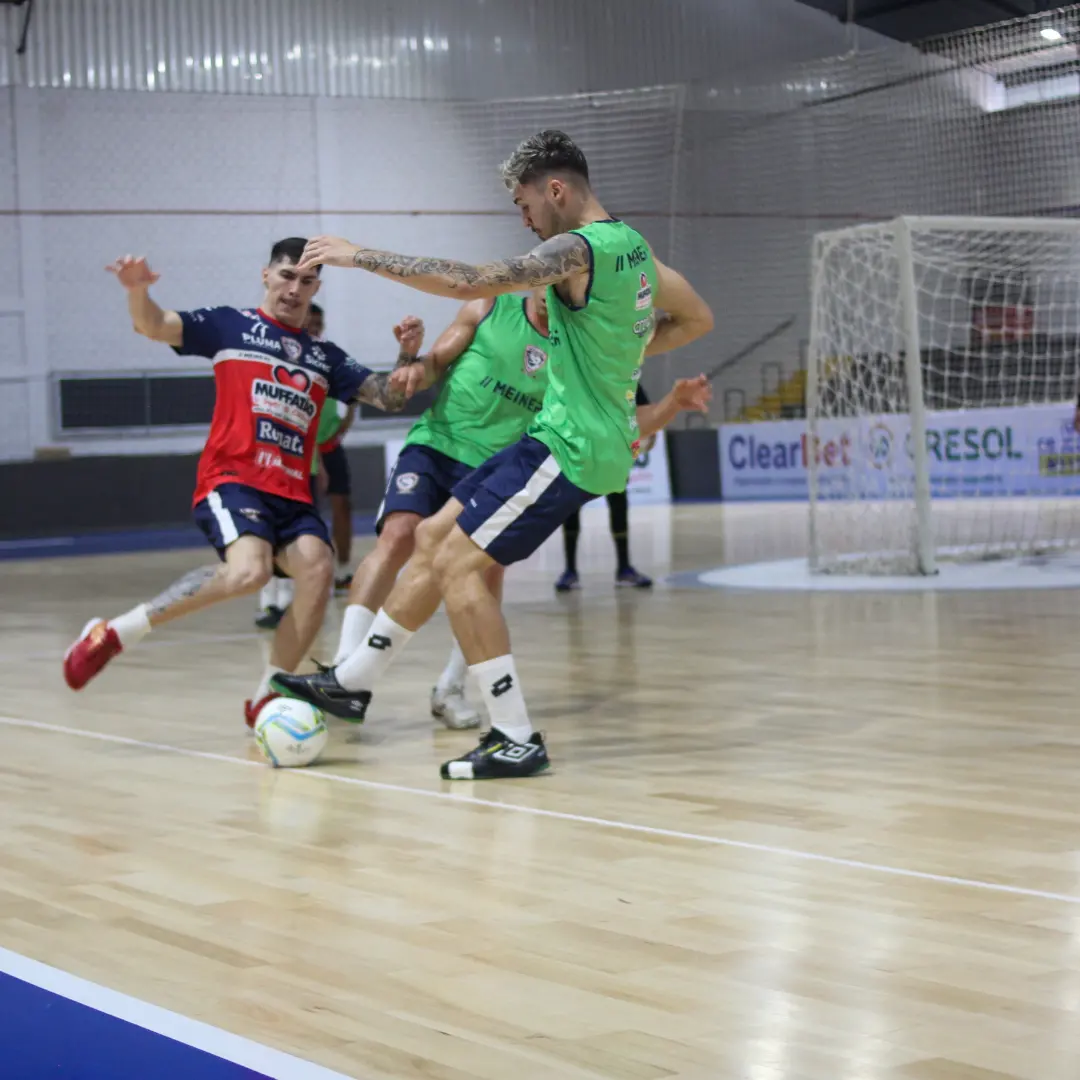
[(941, 392)]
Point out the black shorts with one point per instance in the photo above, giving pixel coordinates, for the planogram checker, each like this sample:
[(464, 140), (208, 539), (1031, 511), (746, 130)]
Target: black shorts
[(516, 500), (336, 464), (233, 510), (421, 483)]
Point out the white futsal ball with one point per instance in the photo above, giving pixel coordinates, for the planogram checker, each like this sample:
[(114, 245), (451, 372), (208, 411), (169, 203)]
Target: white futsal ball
[(290, 733)]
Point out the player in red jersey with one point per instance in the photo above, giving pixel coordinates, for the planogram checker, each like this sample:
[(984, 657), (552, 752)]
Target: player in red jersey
[(252, 495)]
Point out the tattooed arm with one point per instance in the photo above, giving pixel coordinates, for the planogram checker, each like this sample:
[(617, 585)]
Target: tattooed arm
[(425, 371), (377, 390), (557, 259)]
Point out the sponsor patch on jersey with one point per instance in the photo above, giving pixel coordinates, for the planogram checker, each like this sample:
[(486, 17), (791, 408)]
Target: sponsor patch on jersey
[(293, 349), (535, 359), (296, 378), (406, 482), (644, 296), (643, 327), (283, 402), (275, 434), (257, 337), (317, 359)]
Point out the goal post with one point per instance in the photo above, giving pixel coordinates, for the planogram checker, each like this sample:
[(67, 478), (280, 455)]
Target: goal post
[(942, 380)]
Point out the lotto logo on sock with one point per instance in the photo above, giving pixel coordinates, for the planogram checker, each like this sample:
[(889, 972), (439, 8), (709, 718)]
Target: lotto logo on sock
[(501, 686), (379, 641)]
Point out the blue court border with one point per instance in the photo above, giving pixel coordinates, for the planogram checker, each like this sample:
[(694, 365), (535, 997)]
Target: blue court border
[(57, 1026)]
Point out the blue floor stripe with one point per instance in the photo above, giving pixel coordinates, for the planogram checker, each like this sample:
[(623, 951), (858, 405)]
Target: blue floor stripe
[(45, 1035), (114, 543)]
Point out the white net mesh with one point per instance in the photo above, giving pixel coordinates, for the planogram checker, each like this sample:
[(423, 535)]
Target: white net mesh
[(992, 309), (978, 123)]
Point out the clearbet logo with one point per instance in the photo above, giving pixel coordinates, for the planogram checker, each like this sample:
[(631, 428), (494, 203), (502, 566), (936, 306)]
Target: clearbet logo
[(751, 453)]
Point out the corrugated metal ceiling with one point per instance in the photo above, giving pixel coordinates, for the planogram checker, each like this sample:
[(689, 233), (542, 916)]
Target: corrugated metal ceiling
[(914, 20)]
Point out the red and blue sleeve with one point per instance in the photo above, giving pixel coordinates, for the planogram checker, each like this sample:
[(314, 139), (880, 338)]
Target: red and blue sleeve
[(204, 331), (346, 375)]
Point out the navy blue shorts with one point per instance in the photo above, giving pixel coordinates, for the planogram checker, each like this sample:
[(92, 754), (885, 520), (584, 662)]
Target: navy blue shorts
[(233, 510), (516, 500), (336, 464), (421, 483)]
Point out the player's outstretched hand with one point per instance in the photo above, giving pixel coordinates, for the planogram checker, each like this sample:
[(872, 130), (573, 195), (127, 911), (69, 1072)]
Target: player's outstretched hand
[(133, 273), (410, 335), (693, 395), (327, 251), (408, 380)]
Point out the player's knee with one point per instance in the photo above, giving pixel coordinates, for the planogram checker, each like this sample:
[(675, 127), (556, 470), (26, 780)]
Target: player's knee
[(398, 539), (448, 564), (430, 538), (247, 577), (315, 568)]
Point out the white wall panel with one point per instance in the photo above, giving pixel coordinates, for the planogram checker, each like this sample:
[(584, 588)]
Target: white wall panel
[(12, 360), (10, 264), (198, 152), (202, 259), (15, 408)]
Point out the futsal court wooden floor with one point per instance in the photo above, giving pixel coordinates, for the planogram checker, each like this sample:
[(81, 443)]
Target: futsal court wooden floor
[(786, 837)]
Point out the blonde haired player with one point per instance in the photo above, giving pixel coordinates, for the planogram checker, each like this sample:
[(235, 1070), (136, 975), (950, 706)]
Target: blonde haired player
[(603, 284)]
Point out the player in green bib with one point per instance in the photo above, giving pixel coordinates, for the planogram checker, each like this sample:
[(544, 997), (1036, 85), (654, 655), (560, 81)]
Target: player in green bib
[(604, 290), (493, 358)]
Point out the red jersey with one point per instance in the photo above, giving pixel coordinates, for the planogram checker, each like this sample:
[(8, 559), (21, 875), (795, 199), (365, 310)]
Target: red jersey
[(271, 382)]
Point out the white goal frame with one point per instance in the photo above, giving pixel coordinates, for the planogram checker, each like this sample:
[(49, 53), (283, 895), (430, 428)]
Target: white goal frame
[(902, 229)]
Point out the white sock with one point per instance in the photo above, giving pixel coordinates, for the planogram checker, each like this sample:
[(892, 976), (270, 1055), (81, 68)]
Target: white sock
[(363, 669), (354, 627), (501, 688), (268, 595), (453, 676), (264, 685), (132, 626), (286, 588)]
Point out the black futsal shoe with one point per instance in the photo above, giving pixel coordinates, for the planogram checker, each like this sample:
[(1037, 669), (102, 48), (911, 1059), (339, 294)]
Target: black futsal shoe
[(324, 692), (500, 758)]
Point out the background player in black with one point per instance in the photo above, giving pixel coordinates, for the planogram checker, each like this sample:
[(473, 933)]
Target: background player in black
[(334, 478), (619, 517)]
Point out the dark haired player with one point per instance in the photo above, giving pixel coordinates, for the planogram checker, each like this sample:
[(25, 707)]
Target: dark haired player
[(603, 285), (329, 474), (252, 495)]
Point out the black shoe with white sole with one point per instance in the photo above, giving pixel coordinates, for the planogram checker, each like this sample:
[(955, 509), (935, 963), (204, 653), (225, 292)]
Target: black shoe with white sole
[(324, 692), (499, 758)]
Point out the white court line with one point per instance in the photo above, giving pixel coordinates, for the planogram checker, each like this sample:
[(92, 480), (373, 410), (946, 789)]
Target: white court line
[(182, 1029), (560, 815)]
